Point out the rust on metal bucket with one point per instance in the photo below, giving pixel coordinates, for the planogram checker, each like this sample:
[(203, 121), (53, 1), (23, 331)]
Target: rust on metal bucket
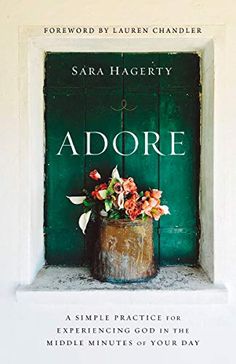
[(125, 251)]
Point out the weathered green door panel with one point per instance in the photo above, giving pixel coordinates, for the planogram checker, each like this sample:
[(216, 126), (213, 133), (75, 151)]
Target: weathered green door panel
[(86, 103), (143, 118), (185, 71), (144, 168), (104, 61), (100, 117), (65, 110), (178, 246), (179, 177), (141, 82), (82, 70), (59, 68)]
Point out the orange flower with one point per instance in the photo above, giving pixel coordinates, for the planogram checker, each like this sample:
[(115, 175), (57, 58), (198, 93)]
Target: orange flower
[(95, 175), (155, 193), (132, 208), (147, 194), (96, 192), (156, 213), (135, 196), (148, 204), (129, 186), (133, 214), (129, 204)]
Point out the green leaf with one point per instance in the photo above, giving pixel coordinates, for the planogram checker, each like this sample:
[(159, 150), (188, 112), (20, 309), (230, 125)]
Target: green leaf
[(108, 205), (114, 215), (110, 189), (144, 217), (103, 193), (88, 203)]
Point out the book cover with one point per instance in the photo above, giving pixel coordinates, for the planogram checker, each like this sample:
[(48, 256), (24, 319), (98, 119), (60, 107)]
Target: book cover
[(118, 184)]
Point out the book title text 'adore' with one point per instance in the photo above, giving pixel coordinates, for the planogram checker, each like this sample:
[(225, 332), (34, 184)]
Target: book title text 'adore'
[(150, 140)]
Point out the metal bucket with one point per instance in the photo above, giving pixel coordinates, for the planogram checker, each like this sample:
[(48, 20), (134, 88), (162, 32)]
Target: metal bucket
[(125, 251)]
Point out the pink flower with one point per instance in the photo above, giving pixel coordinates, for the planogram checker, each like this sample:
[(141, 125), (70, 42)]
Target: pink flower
[(118, 187), (95, 175), (153, 209)]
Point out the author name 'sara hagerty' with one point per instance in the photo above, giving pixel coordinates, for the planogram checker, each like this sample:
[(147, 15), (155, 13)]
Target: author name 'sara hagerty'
[(120, 71)]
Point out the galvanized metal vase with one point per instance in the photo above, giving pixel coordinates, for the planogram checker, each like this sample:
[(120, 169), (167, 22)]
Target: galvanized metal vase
[(125, 251)]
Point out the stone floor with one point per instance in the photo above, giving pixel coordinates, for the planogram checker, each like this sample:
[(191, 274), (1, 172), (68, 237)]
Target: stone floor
[(54, 278)]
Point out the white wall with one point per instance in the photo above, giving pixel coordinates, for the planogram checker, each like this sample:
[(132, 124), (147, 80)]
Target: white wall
[(24, 327)]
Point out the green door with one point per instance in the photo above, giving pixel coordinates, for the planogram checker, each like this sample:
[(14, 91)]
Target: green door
[(167, 104)]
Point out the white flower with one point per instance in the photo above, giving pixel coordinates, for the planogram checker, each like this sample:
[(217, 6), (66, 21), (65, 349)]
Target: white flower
[(121, 200), (165, 209), (83, 220), (76, 200), (103, 213), (115, 174)]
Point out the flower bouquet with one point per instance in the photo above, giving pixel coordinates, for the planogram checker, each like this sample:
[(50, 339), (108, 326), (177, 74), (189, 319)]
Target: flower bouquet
[(124, 243), (118, 198)]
